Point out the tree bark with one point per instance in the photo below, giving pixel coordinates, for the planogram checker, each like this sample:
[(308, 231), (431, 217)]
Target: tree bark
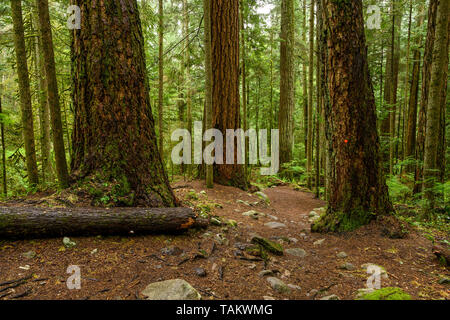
[(208, 84), (309, 157), (358, 188), (305, 84), (115, 148), (161, 79), (287, 81), (24, 93), (31, 223), (225, 84), (52, 93), (2, 133), (437, 81), (426, 76)]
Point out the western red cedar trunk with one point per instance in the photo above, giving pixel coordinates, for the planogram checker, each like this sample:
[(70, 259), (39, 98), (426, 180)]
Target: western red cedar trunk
[(318, 102), (24, 93), (114, 139), (287, 81), (52, 93), (426, 76), (161, 78), (309, 153), (437, 81), (208, 83), (358, 188), (225, 84)]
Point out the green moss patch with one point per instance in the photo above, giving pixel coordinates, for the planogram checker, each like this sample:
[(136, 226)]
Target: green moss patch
[(389, 293)]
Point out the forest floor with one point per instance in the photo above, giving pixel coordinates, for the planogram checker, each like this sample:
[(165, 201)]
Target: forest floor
[(121, 267)]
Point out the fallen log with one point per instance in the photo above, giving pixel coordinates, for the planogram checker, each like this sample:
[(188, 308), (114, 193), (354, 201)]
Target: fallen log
[(36, 222)]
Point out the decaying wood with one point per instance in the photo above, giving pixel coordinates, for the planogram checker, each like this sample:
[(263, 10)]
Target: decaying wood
[(33, 222)]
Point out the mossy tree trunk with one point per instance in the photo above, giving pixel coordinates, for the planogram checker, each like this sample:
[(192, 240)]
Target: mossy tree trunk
[(114, 139), (358, 188), (52, 93), (225, 84), (24, 93), (208, 83), (309, 150)]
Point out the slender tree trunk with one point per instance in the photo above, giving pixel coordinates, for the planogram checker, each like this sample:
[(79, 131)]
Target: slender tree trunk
[(305, 83), (24, 93), (309, 157), (358, 190), (114, 139), (287, 81), (52, 93), (187, 60), (2, 132), (161, 79), (225, 84), (426, 76), (208, 83), (440, 57), (410, 135), (44, 112), (244, 83), (318, 102)]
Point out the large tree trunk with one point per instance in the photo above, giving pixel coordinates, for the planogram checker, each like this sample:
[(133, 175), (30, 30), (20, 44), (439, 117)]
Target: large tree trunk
[(433, 130), (30, 222), (358, 188), (225, 84), (52, 93), (24, 92), (161, 78), (305, 83), (287, 81), (114, 140)]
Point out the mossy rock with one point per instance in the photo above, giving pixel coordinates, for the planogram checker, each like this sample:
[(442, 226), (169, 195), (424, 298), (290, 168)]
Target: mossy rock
[(389, 293), (270, 246)]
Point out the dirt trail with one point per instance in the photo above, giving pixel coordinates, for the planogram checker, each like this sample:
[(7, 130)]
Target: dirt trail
[(121, 267)]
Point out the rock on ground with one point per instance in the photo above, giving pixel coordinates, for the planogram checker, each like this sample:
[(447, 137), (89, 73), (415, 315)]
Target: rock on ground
[(176, 289), (278, 285)]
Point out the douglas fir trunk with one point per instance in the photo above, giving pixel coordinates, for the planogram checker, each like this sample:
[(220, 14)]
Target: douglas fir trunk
[(358, 189), (114, 140)]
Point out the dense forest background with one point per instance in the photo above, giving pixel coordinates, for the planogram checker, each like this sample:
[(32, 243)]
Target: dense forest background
[(398, 56)]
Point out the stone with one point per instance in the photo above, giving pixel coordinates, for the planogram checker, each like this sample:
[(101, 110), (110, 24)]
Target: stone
[(68, 243), (293, 240), (275, 225), (216, 221), (342, 255), (232, 223), (200, 272), (444, 280), (269, 245), (294, 287), (265, 273), (278, 285), (263, 196), (268, 298), (312, 292), (371, 268), (272, 217), (171, 251), (29, 254), (297, 252), (331, 297), (175, 289), (347, 266), (319, 242), (94, 251), (243, 202), (253, 214), (312, 214)]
